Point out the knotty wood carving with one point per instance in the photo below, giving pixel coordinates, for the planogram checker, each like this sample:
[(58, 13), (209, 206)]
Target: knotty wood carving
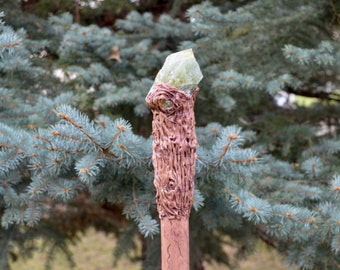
[(174, 149)]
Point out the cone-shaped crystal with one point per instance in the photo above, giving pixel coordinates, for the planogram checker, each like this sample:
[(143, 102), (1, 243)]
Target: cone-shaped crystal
[(181, 71)]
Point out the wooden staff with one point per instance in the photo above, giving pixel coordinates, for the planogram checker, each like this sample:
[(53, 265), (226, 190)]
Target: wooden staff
[(171, 100), (174, 160)]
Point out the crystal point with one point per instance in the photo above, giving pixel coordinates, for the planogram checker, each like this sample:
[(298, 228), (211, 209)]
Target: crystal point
[(180, 70)]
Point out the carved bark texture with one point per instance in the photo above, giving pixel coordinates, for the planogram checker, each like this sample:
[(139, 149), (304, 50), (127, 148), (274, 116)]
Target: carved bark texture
[(174, 149)]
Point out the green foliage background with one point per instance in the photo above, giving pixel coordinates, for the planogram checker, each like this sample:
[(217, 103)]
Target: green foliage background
[(75, 145)]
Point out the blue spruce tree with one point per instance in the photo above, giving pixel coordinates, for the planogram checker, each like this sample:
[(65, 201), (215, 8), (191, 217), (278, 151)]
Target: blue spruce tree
[(75, 129)]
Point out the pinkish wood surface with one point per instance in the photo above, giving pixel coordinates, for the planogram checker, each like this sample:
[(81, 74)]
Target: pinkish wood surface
[(175, 244), (174, 149), (174, 161)]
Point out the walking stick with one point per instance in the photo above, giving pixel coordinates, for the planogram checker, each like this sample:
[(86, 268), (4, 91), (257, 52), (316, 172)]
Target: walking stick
[(171, 100)]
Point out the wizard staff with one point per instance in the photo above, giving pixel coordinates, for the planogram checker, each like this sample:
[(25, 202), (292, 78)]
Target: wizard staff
[(171, 100)]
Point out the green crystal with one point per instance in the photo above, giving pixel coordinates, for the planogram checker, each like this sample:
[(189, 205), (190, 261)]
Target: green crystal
[(180, 70)]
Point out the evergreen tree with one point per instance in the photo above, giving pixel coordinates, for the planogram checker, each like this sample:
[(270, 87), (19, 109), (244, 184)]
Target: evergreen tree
[(75, 129)]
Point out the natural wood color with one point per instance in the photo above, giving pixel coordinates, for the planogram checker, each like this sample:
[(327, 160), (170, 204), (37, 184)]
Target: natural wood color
[(175, 244), (174, 160), (174, 149)]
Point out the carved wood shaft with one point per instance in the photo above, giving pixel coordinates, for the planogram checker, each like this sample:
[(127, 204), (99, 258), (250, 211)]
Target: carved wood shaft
[(174, 149)]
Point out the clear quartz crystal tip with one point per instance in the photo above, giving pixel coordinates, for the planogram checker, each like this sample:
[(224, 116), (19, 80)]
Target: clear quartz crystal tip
[(180, 70)]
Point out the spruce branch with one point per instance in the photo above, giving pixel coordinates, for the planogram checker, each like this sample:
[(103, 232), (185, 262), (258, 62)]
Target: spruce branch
[(231, 137), (12, 44), (32, 213), (65, 136), (94, 135), (37, 187), (248, 160), (80, 127)]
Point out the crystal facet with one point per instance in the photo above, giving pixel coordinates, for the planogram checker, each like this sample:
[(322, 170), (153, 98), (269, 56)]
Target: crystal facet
[(181, 71)]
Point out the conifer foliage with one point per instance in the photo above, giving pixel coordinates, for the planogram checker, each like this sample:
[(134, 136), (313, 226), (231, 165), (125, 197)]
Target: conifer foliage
[(74, 127)]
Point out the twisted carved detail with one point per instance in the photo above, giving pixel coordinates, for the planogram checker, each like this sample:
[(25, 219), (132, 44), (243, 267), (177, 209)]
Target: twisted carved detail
[(174, 149)]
